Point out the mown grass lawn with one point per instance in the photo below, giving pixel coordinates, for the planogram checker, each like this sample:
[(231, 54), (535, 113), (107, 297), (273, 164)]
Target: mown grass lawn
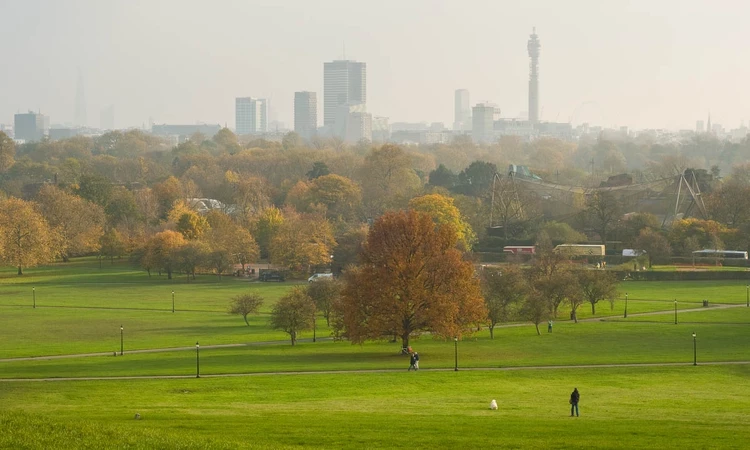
[(678, 407)]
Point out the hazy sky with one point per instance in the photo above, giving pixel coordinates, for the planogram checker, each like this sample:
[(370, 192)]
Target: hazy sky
[(657, 63)]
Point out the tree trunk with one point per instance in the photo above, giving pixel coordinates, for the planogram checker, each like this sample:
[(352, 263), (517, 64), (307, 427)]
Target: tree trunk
[(538, 333), (293, 335), (20, 270), (169, 274), (593, 308), (244, 316), (405, 340), (492, 331)]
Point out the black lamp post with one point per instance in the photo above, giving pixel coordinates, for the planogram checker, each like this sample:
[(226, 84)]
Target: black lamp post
[(33, 294), (314, 327), (121, 340), (197, 360), (747, 291), (172, 301), (695, 351), (675, 312), (626, 305), (455, 346)]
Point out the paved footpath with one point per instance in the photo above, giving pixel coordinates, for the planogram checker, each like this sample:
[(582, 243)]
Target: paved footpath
[(344, 372), (264, 343)]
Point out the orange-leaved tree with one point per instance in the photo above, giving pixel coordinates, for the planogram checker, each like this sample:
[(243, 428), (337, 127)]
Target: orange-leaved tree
[(411, 278)]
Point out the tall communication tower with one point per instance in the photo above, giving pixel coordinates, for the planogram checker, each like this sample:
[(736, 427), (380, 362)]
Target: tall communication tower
[(533, 47)]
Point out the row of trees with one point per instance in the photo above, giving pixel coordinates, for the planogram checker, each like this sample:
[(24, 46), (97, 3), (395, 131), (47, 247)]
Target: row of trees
[(412, 278)]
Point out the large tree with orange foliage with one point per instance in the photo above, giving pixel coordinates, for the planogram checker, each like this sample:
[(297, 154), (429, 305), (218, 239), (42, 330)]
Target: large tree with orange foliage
[(411, 278)]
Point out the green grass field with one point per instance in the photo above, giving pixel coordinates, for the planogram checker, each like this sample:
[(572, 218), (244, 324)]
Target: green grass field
[(278, 396)]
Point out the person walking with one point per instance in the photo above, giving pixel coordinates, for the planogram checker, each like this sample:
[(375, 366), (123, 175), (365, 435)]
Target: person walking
[(412, 362), (574, 397), (416, 361)]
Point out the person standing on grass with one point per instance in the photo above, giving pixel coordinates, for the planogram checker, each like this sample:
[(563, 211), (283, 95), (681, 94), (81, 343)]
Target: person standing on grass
[(416, 361), (549, 326), (574, 397)]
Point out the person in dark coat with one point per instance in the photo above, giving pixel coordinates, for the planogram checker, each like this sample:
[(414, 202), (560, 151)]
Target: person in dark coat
[(412, 362), (574, 397), (416, 361)]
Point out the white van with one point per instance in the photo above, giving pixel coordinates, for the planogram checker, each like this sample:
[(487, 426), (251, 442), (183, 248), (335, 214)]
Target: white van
[(319, 276)]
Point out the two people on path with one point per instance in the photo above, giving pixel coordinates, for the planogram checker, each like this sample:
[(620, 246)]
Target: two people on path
[(414, 361), (574, 397)]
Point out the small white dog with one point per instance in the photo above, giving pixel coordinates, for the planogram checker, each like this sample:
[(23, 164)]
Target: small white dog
[(493, 405)]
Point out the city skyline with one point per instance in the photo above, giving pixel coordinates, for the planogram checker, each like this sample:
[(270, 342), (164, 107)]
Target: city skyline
[(682, 62)]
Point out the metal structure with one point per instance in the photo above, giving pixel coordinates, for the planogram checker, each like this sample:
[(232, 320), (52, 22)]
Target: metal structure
[(519, 197)]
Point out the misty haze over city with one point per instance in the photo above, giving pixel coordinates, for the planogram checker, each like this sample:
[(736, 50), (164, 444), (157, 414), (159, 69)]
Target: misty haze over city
[(638, 64)]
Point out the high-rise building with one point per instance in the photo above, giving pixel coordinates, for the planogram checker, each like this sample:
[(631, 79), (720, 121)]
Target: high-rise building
[(80, 118), (305, 114), (483, 122), (344, 83), (462, 114), (533, 48), (700, 127), (251, 115), (30, 127), (107, 118)]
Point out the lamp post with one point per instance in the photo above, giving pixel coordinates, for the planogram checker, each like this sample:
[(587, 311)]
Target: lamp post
[(747, 291), (455, 346), (314, 327), (695, 351), (626, 305), (121, 340), (197, 360), (172, 301), (675, 312), (33, 294)]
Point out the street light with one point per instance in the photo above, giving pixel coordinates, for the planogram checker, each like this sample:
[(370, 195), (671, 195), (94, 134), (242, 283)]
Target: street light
[(455, 346), (626, 305), (695, 351), (33, 294), (172, 301), (747, 290), (121, 341), (197, 360), (675, 312)]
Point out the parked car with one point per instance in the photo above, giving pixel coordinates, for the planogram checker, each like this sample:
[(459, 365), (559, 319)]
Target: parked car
[(319, 276), (272, 276)]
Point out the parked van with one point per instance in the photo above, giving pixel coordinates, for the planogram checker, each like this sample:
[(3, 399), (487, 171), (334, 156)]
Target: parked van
[(319, 276)]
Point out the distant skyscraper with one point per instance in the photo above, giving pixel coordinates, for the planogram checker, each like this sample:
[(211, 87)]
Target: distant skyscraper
[(305, 114), (700, 127), (462, 114), (107, 118), (709, 129), (80, 117), (483, 122), (30, 127), (251, 115), (344, 83), (533, 47)]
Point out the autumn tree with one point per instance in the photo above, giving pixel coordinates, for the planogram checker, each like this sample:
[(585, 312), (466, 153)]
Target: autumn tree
[(604, 212), (411, 278), (245, 304), (293, 313), (227, 235), (387, 179), (111, 245), (654, 244), (265, 227), (161, 251), (80, 223), (442, 211), (7, 152), (192, 225), (597, 285), (504, 291), (26, 239), (536, 308), (350, 243), (190, 256), (324, 293), (302, 241)]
